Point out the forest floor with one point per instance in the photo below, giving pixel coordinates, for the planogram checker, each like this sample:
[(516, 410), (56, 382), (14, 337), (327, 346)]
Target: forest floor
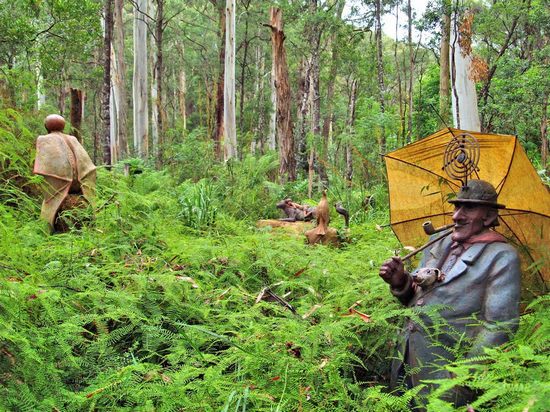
[(160, 304)]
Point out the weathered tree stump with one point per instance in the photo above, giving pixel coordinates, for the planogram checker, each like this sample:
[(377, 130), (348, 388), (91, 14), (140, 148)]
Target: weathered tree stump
[(294, 228)]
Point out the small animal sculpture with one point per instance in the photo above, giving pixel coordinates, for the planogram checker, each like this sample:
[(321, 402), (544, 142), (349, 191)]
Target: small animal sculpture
[(340, 209), (317, 235), (427, 277), (296, 212), (323, 215)]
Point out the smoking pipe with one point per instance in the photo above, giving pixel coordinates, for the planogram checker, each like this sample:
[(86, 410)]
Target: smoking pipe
[(430, 230)]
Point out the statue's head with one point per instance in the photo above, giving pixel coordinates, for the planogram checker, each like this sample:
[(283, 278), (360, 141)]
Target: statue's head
[(284, 203), (54, 123), (476, 209)]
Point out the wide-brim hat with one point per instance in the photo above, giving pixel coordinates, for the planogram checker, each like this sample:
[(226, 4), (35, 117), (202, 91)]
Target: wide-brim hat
[(478, 192)]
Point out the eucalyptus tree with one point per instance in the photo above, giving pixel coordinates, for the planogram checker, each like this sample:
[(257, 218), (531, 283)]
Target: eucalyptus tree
[(287, 168), (119, 104), (140, 79), (108, 147), (464, 95)]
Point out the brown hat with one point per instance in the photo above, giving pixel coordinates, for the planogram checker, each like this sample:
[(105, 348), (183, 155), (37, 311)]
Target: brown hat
[(478, 192)]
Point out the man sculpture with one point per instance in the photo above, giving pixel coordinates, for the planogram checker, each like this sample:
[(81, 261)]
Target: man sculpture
[(478, 288), (67, 169)]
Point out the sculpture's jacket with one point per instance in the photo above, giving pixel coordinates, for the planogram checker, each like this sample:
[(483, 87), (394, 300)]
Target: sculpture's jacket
[(65, 165), (480, 303)]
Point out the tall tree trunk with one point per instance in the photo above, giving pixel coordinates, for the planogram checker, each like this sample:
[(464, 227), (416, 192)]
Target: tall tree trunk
[(182, 91), (257, 139), (40, 93), (158, 75), (62, 95), (244, 65), (140, 110), (444, 69), (272, 135), (219, 110), (329, 118), (77, 108), (230, 138), (155, 79), (411, 71), (119, 80), (287, 167), (311, 172), (302, 99), (106, 89), (380, 67), (315, 99), (465, 112), (349, 126), (113, 127)]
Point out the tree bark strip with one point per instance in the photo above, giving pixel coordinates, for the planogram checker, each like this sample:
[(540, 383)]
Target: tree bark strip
[(76, 113), (140, 101), (287, 167), (219, 110), (106, 89), (230, 135), (349, 126), (119, 80)]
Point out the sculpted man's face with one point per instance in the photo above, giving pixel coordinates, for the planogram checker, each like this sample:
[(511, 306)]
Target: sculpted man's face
[(470, 220)]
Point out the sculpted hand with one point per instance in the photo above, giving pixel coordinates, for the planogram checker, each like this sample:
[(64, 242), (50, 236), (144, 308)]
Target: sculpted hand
[(393, 272)]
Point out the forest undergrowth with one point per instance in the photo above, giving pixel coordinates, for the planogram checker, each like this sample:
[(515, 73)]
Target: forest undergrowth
[(156, 303)]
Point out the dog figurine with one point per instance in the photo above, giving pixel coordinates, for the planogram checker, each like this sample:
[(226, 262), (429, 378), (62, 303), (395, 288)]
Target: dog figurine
[(427, 277)]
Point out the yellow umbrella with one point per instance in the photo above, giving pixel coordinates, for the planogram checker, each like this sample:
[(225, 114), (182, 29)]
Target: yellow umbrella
[(423, 175)]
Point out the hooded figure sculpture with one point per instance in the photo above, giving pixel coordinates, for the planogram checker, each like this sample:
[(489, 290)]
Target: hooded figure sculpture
[(66, 167), (478, 289)]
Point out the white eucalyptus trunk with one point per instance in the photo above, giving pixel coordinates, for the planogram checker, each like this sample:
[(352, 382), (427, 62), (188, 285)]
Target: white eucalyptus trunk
[(229, 118), (140, 103), (114, 100), (464, 96), (182, 88), (182, 92), (118, 70), (40, 95), (154, 88), (113, 124)]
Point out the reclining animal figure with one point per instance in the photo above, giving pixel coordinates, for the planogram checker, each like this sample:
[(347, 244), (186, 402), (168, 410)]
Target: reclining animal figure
[(296, 212)]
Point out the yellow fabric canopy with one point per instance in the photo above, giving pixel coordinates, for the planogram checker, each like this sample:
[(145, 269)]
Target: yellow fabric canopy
[(419, 189)]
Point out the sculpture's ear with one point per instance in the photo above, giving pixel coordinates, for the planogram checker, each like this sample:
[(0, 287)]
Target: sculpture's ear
[(491, 217)]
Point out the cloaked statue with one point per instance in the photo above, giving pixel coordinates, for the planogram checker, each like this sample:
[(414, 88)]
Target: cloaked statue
[(69, 172)]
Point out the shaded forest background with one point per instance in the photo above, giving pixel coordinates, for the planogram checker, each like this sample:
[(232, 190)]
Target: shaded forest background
[(353, 92)]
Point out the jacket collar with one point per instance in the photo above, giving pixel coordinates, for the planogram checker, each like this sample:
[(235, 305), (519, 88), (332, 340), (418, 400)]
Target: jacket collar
[(467, 258)]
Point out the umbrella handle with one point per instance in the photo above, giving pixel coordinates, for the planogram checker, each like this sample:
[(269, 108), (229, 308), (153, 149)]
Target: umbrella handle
[(431, 242)]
